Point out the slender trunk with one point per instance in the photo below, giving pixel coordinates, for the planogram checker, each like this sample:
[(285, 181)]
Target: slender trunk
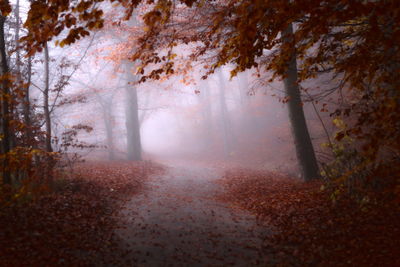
[(207, 113), (226, 134), (247, 120), (243, 87), (17, 51), (134, 146), (26, 104), (107, 116), (304, 148), (143, 113), (5, 110), (46, 109)]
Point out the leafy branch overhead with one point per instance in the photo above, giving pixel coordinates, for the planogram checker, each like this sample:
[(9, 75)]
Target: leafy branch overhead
[(354, 40), (191, 79)]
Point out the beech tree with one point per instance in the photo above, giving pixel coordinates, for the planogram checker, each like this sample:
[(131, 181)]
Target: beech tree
[(206, 113), (134, 147), (26, 149), (124, 36), (355, 41), (301, 136), (343, 38), (5, 112), (224, 121), (46, 108)]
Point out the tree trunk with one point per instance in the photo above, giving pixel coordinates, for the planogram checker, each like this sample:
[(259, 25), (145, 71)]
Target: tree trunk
[(46, 109), (207, 113), (134, 146), (226, 134), (27, 106), (304, 148), (107, 116), (17, 50), (25, 103), (5, 110), (243, 88), (143, 113), (246, 118)]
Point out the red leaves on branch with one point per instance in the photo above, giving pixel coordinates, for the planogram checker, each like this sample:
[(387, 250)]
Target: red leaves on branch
[(310, 228)]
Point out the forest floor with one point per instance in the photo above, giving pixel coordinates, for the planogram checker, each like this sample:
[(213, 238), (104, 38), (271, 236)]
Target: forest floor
[(222, 214), (71, 222), (177, 221), (193, 213)]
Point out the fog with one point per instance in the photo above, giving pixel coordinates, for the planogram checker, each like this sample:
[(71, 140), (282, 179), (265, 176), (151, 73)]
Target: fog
[(219, 119), (240, 120)]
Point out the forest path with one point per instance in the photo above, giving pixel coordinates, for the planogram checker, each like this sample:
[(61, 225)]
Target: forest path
[(176, 221)]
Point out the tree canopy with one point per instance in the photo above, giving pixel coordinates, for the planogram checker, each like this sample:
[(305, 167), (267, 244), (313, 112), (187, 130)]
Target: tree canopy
[(355, 41), (343, 55)]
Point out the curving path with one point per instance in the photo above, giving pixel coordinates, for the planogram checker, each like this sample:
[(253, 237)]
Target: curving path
[(177, 222)]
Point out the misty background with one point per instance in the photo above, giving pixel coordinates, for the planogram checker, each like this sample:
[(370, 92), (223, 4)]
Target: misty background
[(93, 84)]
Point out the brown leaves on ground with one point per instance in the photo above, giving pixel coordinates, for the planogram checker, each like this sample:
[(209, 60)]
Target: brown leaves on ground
[(312, 229), (74, 224)]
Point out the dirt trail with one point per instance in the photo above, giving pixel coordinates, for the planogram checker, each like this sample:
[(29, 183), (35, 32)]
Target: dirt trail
[(177, 222)]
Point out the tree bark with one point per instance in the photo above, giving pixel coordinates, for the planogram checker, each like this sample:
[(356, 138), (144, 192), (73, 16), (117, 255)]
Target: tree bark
[(134, 146), (5, 109), (304, 148), (46, 109), (17, 50), (207, 113), (247, 119), (243, 88), (226, 134), (108, 118), (27, 105)]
